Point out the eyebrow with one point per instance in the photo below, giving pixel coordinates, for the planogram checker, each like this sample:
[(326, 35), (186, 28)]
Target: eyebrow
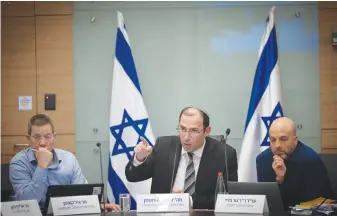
[(48, 134), (193, 128)]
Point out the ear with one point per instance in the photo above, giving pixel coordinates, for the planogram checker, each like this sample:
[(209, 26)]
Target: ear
[(29, 140), (208, 130), (295, 138)]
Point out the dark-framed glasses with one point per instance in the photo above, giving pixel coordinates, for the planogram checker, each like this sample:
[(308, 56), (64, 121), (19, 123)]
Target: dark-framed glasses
[(48, 137), (191, 131)]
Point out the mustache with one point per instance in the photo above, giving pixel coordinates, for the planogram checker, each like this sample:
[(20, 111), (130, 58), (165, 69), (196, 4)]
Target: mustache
[(281, 152)]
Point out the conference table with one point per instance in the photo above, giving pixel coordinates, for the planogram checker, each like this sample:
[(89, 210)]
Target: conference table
[(191, 213)]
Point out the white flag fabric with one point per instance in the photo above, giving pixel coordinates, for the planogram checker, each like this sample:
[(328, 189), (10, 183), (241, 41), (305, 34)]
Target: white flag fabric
[(128, 119), (265, 103)]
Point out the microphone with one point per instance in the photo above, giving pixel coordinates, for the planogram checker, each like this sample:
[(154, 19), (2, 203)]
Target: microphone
[(100, 156), (228, 131), (224, 140), (174, 165)]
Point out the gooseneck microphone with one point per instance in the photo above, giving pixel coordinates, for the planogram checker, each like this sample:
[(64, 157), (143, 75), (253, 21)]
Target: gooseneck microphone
[(224, 140), (101, 165), (228, 131), (174, 165)]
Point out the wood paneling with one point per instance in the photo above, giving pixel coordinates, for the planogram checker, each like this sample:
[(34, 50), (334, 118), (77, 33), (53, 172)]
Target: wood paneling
[(18, 46), (328, 98), (18, 72), (65, 142), (6, 159), (327, 5), (53, 8), (329, 151), (15, 8), (54, 51), (8, 144), (37, 58), (329, 139), (327, 24), (328, 76)]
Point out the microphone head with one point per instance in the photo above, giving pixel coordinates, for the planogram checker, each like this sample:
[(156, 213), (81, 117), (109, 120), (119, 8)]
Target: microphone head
[(228, 131), (98, 144)]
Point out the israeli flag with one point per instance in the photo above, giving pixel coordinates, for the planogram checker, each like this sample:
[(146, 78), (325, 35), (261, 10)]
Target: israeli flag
[(128, 120), (265, 103)]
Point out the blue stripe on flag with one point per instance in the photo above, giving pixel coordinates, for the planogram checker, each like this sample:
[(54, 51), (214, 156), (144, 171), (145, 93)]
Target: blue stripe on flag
[(117, 186), (124, 56), (264, 68)]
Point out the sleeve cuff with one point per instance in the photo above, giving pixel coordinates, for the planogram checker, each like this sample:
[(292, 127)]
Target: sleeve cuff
[(136, 162)]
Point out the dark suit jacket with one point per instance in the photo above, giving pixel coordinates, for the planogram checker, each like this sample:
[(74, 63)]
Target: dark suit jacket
[(306, 176), (159, 167)]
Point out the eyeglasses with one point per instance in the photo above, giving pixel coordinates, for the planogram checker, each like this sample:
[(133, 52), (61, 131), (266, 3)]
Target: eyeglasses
[(46, 137), (191, 132)]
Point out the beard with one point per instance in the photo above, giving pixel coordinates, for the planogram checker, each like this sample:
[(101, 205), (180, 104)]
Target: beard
[(284, 155)]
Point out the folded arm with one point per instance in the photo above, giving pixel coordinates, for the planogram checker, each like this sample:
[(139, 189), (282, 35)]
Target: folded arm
[(27, 187)]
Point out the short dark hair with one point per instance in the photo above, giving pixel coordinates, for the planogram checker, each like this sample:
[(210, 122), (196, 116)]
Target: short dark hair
[(39, 120), (205, 117)]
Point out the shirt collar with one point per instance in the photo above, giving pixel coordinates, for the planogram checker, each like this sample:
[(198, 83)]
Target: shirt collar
[(56, 160), (197, 153)]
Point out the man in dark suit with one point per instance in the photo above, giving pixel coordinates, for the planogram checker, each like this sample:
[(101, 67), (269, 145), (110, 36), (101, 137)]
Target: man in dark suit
[(187, 163), (297, 168)]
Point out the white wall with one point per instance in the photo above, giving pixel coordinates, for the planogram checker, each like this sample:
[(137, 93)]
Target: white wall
[(192, 53)]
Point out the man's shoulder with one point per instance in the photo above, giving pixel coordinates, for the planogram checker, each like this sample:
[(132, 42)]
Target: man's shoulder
[(265, 155), (216, 143), (307, 154), (63, 153), (213, 141), (20, 156)]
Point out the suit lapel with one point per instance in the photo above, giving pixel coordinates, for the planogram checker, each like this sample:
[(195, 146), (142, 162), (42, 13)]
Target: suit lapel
[(175, 154), (204, 163)]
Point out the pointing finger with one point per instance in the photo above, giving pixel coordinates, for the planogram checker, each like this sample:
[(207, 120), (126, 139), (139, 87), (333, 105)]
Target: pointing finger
[(144, 141)]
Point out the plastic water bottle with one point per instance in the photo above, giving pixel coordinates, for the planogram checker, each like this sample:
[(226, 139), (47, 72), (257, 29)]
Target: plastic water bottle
[(220, 187)]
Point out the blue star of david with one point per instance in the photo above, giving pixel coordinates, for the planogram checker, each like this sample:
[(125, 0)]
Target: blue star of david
[(267, 120), (117, 131)]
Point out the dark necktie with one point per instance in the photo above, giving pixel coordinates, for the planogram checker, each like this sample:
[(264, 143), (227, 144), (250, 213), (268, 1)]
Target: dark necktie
[(190, 176)]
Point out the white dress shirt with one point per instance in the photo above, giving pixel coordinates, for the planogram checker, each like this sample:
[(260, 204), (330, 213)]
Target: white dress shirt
[(179, 182)]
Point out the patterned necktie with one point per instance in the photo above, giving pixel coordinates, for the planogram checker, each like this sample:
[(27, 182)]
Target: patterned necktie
[(190, 176)]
